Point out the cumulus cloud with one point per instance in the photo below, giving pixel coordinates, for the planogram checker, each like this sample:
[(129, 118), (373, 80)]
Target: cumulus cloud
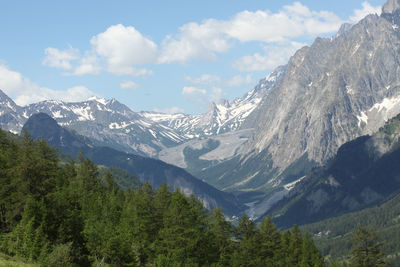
[(194, 41), (216, 94), (202, 96), (239, 80), (366, 9), (204, 80), (60, 58), (273, 56), (195, 95), (292, 21), (203, 41), (129, 85), (123, 47), (207, 80), (89, 64), (25, 92)]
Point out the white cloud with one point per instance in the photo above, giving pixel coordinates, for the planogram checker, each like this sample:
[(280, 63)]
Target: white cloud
[(239, 80), (25, 92), (129, 85), (123, 48), (195, 95), (89, 64), (202, 96), (204, 80), (207, 80), (194, 41), (60, 58), (171, 110), (190, 90), (273, 56), (216, 94), (203, 41), (366, 9), (292, 21)]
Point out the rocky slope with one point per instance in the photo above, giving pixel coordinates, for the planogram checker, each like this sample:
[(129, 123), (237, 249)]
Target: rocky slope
[(11, 115), (337, 89), (364, 172)]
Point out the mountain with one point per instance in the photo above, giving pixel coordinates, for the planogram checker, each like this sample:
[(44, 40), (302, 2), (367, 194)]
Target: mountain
[(332, 92), (364, 172), (226, 116), (154, 171), (110, 123), (11, 115)]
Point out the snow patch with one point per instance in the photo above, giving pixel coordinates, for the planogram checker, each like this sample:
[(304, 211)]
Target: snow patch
[(84, 114), (57, 114), (349, 90), (291, 185), (362, 118), (98, 99), (386, 104), (355, 49)]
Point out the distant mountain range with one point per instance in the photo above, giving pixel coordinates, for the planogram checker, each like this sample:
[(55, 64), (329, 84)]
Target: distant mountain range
[(108, 122)]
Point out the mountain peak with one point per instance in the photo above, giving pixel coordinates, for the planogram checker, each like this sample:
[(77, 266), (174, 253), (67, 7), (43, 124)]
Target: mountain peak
[(391, 6), (98, 99)]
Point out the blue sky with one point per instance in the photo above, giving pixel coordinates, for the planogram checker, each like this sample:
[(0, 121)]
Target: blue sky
[(170, 56)]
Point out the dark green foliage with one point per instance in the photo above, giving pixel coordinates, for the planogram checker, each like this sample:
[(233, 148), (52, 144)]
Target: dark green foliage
[(366, 250), (333, 236), (70, 214)]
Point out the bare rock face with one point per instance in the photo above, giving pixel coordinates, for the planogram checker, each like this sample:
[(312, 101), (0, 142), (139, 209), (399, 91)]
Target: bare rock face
[(332, 92), (391, 6)]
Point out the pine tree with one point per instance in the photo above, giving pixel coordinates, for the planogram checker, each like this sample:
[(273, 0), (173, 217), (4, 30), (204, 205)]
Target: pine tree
[(295, 246), (144, 226), (366, 249), (221, 233), (270, 242), (248, 251), (181, 241), (310, 254), (162, 200)]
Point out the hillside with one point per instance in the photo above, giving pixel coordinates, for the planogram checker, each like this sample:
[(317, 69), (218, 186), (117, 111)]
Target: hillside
[(364, 172), (156, 172), (333, 236)]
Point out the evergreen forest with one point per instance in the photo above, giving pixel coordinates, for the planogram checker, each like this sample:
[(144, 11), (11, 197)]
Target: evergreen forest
[(57, 213)]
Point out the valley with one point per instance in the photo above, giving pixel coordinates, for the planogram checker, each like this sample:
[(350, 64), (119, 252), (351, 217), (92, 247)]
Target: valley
[(306, 158)]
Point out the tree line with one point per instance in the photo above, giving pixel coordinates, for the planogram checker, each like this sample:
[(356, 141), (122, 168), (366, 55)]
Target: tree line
[(65, 214)]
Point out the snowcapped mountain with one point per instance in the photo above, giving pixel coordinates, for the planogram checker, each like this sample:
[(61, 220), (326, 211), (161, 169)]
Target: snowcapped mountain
[(226, 116), (110, 123), (11, 115)]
